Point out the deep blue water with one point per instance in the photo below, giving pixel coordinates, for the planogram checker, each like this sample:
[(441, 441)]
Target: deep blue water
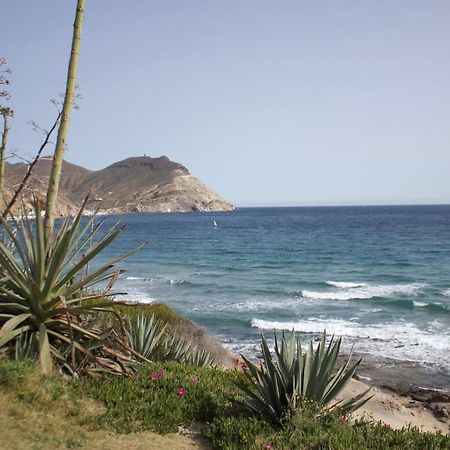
[(379, 276)]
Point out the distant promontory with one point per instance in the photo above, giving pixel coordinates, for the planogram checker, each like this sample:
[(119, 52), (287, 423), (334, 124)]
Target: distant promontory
[(138, 184)]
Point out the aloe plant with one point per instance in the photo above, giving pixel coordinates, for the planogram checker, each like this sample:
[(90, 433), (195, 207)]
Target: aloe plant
[(279, 386), (46, 284)]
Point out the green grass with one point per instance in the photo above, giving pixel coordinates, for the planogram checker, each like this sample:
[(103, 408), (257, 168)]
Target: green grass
[(161, 312), (14, 373)]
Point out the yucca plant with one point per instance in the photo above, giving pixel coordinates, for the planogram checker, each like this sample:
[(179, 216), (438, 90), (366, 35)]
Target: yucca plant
[(46, 284), (279, 386)]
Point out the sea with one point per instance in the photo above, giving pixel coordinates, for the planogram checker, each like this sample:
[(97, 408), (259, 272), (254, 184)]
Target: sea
[(379, 276)]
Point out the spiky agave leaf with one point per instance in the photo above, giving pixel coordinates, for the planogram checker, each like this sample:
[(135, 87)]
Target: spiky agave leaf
[(182, 351), (147, 337), (24, 346), (198, 357), (280, 382), (144, 335), (46, 280)]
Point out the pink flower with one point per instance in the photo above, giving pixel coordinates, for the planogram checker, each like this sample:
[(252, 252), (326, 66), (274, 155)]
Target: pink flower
[(161, 373), (267, 446), (217, 386), (386, 425), (181, 392), (194, 381), (343, 420), (153, 376)]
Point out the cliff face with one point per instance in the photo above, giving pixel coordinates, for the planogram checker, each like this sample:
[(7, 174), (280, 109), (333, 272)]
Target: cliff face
[(141, 184)]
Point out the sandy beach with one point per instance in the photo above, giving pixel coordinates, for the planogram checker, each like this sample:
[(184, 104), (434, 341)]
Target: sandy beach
[(399, 411)]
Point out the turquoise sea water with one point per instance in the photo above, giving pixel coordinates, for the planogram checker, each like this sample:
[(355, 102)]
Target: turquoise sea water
[(378, 276)]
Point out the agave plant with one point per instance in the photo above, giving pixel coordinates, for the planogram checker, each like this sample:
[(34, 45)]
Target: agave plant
[(278, 387), (175, 349), (23, 348), (46, 284), (198, 357), (145, 335)]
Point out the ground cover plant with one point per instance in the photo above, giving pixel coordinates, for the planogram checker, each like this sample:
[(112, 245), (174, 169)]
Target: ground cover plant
[(309, 429), (163, 397)]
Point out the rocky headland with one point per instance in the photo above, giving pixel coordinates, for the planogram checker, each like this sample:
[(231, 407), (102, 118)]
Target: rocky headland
[(138, 184)]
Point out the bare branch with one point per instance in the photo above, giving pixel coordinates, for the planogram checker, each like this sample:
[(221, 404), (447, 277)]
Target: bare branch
[(17, 156), (31, 167)]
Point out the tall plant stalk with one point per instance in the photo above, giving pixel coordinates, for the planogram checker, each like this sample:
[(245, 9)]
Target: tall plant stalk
[(55, 174), (3, 154)]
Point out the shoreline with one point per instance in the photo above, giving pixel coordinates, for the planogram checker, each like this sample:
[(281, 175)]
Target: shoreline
[(398, 401), (393, 403), (398, 404)]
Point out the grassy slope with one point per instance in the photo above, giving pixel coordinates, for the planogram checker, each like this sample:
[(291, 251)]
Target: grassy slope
[(47, 413), (180, 327)]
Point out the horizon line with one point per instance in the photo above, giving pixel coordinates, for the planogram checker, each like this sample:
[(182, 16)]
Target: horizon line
[(357, 205)]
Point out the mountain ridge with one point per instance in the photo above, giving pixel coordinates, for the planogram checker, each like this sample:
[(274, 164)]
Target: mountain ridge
[(135, 184)]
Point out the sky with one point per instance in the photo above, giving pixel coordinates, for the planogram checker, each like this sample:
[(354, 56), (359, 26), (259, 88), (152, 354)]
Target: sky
[(267, 102)]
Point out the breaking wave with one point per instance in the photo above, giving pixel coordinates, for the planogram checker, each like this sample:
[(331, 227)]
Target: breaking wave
[(345, 284), (365, 291), (397, 340)]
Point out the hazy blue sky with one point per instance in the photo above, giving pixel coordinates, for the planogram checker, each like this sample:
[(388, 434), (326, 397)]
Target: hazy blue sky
[(268, 102)]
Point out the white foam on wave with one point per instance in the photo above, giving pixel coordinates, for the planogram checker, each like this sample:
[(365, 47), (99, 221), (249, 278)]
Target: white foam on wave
[(135, 278), (446, 292), (397, 340), (420, 304), (138, 299), (345, 284), (247, 347), (365, 292)]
